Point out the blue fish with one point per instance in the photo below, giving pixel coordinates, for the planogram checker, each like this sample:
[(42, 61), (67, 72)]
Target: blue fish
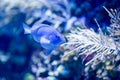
[(48, 37)]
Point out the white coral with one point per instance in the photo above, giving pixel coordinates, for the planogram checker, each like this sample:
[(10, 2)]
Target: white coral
[(115, 25), (87, 42)]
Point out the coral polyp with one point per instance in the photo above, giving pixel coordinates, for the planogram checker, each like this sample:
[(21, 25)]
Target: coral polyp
[(89, 43)]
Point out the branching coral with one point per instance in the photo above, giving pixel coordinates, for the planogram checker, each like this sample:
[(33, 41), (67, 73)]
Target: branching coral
[(87, 42), (115, 25)]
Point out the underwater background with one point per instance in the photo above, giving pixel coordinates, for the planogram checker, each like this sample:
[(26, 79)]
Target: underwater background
[(84, 23)]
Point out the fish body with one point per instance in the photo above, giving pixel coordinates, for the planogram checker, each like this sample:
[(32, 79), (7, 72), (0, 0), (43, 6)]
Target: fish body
[(48, 37)]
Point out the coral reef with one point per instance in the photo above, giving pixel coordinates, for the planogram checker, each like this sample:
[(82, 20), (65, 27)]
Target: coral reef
[(91, 51)]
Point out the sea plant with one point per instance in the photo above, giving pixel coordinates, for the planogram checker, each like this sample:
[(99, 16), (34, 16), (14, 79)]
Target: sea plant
[(96, 46)]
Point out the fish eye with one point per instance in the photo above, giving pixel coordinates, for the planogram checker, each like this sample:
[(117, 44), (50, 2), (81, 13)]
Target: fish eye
[(54, 38)]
